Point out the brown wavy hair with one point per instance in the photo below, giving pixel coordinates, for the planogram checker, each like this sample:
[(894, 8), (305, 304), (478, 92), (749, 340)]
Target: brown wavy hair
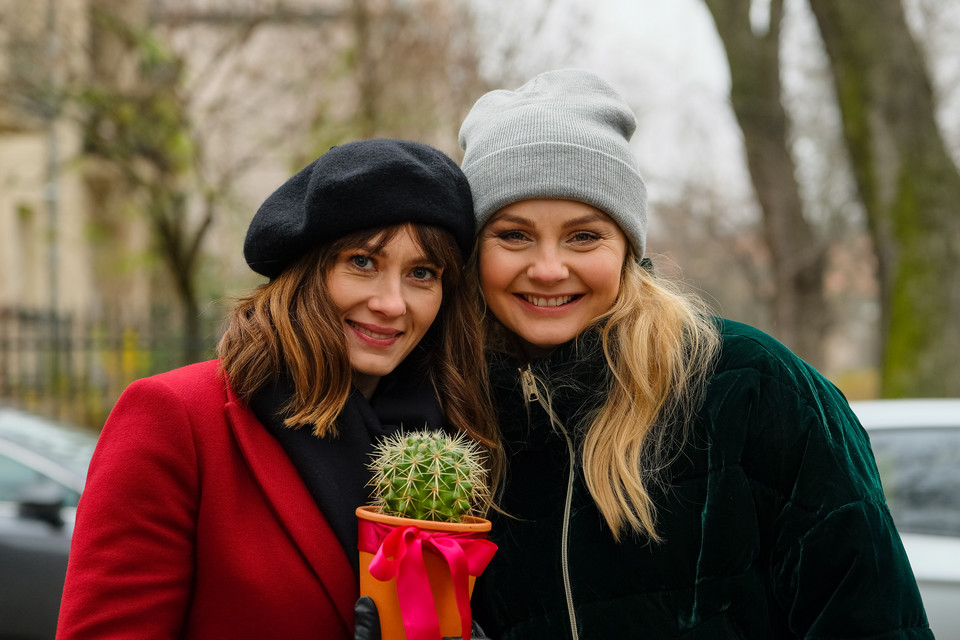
[(290, 326)]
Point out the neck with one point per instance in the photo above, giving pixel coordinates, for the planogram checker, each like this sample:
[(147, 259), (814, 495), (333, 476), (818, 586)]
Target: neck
[(365, 384), (534, 351)]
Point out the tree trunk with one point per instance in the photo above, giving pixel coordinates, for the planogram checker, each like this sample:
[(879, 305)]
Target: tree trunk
[(910, 189), (797, 255), (179, 243)]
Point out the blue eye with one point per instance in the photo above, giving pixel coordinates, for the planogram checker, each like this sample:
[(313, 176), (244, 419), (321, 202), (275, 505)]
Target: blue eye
[(584, 236), (423, 273), (512, 235), (361, 261)]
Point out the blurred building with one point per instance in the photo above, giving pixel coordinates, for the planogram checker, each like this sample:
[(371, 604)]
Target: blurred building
[(266, 86), (44, 253), (131, 130)]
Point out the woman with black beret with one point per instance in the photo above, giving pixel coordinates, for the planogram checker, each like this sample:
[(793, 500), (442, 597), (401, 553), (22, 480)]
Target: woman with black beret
[(220, 501)]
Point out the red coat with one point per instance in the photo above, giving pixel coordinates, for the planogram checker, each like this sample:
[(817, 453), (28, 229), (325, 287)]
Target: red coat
[(195, 524)]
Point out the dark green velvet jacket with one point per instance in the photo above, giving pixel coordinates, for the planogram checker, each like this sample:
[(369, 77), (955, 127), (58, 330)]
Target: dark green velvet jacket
[(774, 523)]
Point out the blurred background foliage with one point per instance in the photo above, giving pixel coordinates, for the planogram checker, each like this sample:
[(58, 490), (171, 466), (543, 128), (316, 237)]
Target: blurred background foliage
[(802, 171)]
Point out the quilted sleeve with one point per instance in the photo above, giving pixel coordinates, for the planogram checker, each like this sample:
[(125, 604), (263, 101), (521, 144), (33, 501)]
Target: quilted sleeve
[(835, 562), (838, 567)]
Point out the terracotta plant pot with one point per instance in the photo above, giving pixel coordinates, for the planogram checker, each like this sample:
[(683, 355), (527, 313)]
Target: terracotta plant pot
[(407, 615)]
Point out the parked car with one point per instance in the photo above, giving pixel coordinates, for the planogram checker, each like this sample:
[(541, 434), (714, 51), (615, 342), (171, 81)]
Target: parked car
[(917, 447), (43, 465)]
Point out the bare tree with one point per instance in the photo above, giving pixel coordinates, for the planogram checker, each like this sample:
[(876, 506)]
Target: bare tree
[(797, 253), (136, 125), (411, 71), (910, 188), (174, 114)]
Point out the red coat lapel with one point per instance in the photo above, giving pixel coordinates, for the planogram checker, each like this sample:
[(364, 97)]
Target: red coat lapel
[(295, 508)]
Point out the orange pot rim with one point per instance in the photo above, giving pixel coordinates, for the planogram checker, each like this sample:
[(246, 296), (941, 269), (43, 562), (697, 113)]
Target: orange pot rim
[(468, 524)]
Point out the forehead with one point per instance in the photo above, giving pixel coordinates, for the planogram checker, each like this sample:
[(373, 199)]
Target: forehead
[(402, 240), (552, 212), (380, 240)]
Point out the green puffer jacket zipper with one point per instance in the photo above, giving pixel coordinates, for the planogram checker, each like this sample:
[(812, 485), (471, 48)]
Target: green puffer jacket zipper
[(536, 391)]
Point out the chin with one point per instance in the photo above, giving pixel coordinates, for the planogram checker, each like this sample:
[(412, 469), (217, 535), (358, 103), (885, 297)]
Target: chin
[(542, 341)]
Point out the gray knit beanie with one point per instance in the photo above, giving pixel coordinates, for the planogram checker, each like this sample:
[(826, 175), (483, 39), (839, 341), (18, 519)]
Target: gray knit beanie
[(564, 134)]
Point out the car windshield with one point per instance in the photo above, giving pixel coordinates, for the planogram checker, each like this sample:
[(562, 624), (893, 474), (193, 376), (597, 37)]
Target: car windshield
[(70, 447), (920, 470)]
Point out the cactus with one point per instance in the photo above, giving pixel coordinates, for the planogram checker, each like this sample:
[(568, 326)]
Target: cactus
[(428, 475)]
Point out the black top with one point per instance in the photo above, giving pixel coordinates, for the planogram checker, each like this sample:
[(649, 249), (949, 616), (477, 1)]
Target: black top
[(334, 468)]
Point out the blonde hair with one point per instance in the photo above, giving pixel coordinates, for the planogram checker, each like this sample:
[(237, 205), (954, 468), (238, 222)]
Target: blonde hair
[(659, 344), (291, 327)]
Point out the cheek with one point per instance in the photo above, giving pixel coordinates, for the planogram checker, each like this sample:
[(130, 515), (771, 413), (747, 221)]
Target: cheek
[(428, 307), (435, 308), (493, 291), (337, 294), (611, 279), (493, 274)]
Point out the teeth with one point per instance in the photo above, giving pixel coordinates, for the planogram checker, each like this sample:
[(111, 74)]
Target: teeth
[(378, 336), (548, 302)]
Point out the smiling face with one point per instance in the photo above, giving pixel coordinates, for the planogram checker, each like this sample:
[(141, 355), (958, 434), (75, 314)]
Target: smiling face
[(548, 268), (387, 297)]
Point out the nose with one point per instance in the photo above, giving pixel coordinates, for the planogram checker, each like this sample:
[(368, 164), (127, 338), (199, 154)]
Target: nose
[(388, 298), (547, 266)]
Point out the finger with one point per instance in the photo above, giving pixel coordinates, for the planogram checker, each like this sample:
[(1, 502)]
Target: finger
[(367, 620)]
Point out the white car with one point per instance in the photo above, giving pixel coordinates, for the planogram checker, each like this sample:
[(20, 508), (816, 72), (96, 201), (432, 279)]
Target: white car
[(917, 447)]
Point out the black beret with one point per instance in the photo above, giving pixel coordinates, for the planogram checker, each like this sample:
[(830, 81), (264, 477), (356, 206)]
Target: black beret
[(356, 186)]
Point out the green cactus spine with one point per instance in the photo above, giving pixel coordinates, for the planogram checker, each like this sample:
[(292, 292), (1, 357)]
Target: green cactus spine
[(428, 475)]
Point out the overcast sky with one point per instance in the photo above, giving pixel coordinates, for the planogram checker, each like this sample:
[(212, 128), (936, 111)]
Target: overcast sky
[(667, 60)]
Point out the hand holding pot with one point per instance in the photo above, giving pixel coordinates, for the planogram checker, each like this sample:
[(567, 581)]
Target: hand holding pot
[(368, 622)]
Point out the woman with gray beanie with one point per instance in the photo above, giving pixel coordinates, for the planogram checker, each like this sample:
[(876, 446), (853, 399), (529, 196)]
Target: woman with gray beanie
[(668, 474), (220, 500)]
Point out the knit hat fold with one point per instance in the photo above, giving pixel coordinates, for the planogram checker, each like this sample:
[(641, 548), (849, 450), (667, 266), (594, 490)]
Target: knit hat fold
[(564, 134)]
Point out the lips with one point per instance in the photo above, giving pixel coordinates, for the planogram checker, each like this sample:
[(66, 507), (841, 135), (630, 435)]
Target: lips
[(549, 301), (373, 332)]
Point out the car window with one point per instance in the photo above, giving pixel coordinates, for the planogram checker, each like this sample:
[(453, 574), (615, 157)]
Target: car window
[(70, 447), (15, 477), (920, 470)]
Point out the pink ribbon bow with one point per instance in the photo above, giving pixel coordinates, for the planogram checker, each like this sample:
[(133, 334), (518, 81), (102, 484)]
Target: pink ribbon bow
[(398, 552)]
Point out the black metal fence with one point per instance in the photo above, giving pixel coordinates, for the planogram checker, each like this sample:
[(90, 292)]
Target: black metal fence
[(74, 368)]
